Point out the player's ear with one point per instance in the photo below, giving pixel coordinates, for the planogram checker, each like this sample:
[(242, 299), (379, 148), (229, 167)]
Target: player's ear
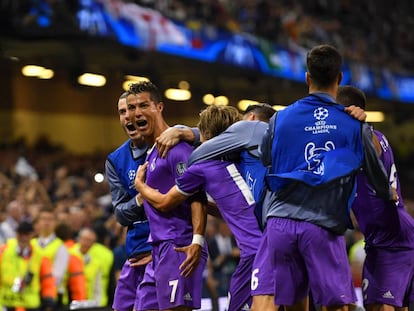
[(308, 78), (160, 106), (341, 75)]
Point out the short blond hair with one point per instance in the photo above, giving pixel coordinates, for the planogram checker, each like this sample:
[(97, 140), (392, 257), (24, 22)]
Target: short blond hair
[(216, 119)]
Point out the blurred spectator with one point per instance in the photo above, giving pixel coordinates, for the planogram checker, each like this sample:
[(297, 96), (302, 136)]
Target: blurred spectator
[(97, 262), (75, 280), (86, 240), (101, 249), (224, 255), (52, 247), (6, 190), (78, 219), (211, 284), (119, 250), (26, 280), (31, 191), (24, 169), (14, 215)]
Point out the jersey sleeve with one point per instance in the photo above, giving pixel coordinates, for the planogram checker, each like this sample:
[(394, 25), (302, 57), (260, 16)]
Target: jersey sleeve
[(232, 140), (373, 166), (265, 148), (178, 157), (126, 209), (191, 181)]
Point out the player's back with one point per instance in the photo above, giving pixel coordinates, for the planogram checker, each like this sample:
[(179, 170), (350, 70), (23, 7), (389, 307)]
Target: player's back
[(314, 142), (224, 183), (384, 223)]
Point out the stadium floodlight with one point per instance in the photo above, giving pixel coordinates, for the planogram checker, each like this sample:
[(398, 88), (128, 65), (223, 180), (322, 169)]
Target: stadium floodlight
[(46, 74), (244, 103), (37, 71), (375, 116), (129, 79), (32, 70), (177, 94), (91, 79)]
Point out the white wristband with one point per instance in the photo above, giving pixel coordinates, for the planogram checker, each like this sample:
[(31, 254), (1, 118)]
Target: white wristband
[(198, 239)]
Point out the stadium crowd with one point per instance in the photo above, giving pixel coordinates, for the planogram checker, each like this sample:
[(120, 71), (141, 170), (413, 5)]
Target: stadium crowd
[(370, 32), (364, 31)]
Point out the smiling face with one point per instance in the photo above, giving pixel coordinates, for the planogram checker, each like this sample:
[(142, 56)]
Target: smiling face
[(146, 115)]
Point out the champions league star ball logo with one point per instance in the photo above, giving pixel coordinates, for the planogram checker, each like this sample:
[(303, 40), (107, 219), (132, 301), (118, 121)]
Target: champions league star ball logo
[(320, 113), (131, 174), (320, 126)]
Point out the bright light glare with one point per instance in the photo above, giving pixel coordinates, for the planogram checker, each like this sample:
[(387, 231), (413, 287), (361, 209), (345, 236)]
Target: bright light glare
[(178, 94), (244, 103), (208, 99), (32, 70), (47, 74), (184, 85), (91, 79), (99, 177), (136, 78), (221, 100), (278, 107), (375, 116), (129, 79)]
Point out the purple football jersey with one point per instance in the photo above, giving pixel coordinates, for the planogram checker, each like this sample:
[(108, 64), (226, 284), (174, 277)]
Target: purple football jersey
[(175, 225), (385, 224), (223, 182)]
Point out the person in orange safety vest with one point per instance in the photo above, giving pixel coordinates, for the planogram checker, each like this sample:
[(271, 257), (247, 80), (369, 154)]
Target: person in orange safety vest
[(75, 278), (26, 279)]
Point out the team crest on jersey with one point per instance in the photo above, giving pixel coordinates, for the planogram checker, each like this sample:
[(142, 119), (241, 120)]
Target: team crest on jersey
[(153, 165), (180, 168), (131, 174)]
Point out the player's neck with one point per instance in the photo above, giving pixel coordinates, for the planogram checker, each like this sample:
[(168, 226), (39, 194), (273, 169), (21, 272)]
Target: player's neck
[(329, 90), (158, 129)]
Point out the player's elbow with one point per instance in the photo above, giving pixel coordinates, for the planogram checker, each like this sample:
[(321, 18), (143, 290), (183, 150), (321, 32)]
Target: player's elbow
[(121, 219)]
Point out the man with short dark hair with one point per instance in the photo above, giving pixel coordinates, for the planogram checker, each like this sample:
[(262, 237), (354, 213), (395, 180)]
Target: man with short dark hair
[(228, 191), (313, 150), (261, 112), (120, 168), (173, 279)]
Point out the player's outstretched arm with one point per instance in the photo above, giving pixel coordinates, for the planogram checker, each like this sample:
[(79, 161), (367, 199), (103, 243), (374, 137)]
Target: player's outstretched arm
[(161, 202), (173, 135)]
